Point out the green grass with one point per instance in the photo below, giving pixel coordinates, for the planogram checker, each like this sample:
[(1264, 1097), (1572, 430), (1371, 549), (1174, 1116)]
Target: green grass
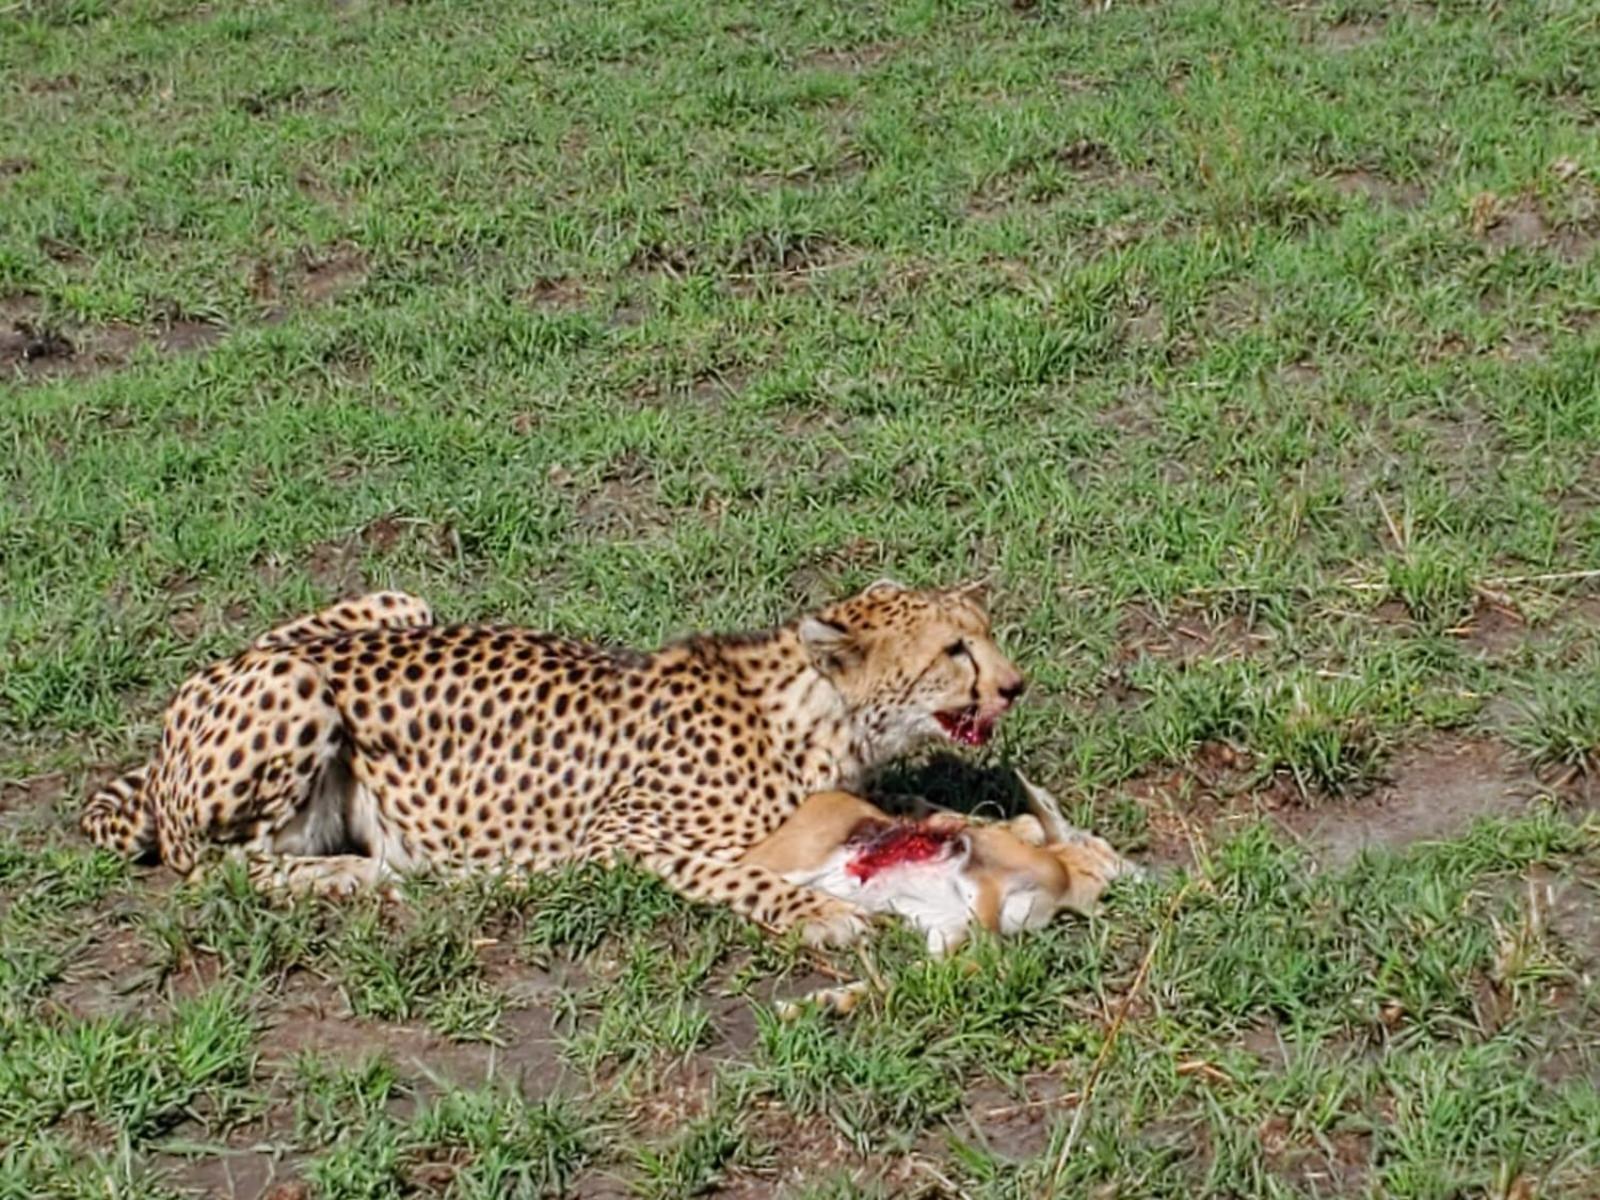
[(1250, 351)]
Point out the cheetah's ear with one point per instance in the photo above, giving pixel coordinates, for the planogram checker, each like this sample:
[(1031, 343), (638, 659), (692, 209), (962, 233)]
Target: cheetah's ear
[(884, 585), (830, 647)]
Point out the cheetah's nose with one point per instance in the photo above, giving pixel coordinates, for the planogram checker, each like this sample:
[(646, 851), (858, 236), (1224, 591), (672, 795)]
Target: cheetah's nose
[(1011, 691)]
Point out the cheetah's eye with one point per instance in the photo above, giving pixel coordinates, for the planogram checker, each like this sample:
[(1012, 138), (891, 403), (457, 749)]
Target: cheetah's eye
[(956, 649)]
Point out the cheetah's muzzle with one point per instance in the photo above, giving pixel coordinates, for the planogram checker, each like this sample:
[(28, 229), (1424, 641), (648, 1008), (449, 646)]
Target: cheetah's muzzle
[(966, 725)]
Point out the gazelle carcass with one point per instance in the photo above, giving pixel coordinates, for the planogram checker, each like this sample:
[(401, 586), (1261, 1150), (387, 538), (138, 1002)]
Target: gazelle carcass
[(944, 872)]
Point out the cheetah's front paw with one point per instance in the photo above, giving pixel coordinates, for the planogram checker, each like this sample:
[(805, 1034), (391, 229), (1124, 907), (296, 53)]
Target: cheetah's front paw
[(835, 923)]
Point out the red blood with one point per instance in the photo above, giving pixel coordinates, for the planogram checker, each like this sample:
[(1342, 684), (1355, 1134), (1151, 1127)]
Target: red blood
[(897, 844), (964, 725)]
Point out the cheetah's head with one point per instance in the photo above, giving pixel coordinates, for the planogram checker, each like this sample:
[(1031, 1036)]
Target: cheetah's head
[(913, 666)]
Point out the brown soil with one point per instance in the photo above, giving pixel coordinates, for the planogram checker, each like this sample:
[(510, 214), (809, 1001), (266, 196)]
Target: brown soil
[(1378, 188), (1091, 164), (27, 795), (623, 503), (787, 266), (34, 347), (560, 293), (1146, 325), (325, 276), (1017, 1124), (853, 60), (311, 185), (101, 980), (816, 579), (1434, 792), (1349, 35), (239, 1174), (312, 1018), (336, 565), (1520, 223), (189, 337), (1338, 1166), (1493, 630), (1184, 637)]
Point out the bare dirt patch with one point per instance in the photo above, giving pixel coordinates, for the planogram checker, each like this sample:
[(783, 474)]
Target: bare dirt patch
[(1146, 323), (312, 186), (624, 501), (1493, 629), (846, 164), (1378, 188), (1017, 1124), (784, 264), (327, 275), (1038, 179), (558, 293), (806, 1149), (188, 337), (1183, 637), (34, 346), (1135, 413), (1435, 791), (336, 565), (313, 1019), (102, 979), (1297, 375), (817, 577), (35, 808), (660, 258), (28, 795), (1336, 1165), (628, 313), (1519, 223), (242, 1173), (1348, 35), (1085, 156), (1518, 347), (850, 61)]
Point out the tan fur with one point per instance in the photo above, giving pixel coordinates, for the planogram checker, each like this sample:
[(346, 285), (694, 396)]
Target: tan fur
[(1008, 860), (365, 741)]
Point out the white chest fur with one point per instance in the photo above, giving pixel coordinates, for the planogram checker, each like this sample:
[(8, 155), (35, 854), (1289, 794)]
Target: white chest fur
[(938, 896)]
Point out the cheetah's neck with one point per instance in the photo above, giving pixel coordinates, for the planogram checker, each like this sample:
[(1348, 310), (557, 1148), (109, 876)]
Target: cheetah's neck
[(813, 730)]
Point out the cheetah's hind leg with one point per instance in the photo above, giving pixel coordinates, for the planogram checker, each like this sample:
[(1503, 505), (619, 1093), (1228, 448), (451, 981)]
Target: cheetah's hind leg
[(376, 610), (119, 816)]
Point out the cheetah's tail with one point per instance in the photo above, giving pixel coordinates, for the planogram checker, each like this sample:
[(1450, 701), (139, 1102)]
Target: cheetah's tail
[(117, 817)]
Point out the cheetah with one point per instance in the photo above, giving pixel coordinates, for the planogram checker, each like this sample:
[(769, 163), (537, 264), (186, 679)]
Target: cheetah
[(349, 747)]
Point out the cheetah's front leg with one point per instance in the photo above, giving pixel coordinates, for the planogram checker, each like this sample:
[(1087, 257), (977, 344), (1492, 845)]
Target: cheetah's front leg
[(753, 892)]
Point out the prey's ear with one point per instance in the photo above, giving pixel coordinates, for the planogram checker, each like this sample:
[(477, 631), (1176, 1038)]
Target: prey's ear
[(974, 591), (831, 648)]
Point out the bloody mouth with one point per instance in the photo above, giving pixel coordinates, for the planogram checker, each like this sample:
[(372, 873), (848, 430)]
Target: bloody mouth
[(964, 725)]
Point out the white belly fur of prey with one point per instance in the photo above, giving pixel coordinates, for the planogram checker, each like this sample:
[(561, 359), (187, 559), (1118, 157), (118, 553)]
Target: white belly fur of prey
[(937, 896)]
